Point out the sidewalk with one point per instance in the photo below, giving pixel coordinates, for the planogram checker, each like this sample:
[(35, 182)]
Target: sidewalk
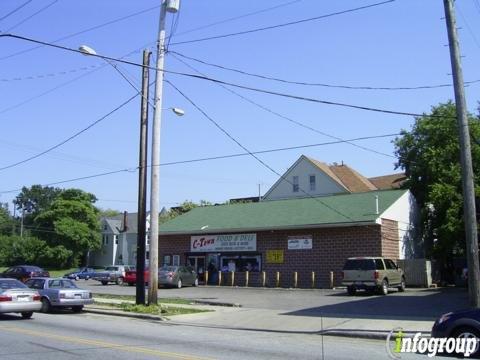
[(238, 318)]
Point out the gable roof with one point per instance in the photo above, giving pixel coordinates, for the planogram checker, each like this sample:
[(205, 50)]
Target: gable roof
[(327, 211), (351, 179), (393, 181), (327, 170)]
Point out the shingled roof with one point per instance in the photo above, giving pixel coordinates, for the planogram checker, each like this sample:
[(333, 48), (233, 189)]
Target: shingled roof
[(328, 211), (393, 181)]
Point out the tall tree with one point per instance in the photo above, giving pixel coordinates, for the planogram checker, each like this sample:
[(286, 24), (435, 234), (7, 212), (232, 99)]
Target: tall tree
[(6, 220), (34, 200), (72, 222), (430, 156)]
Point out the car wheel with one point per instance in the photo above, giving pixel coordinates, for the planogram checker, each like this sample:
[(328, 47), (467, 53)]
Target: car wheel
[(384, 288), (104, 282), (46, 306), (179, 283), (195, 283), (351, 290), (87, 278), (402, 286), (119, 281), (27, 315), (467, 332), (77, 309), (77, 278)]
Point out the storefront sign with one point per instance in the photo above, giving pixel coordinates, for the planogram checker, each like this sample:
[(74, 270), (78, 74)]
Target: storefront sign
[(274, 256), (300, 242), (219, 243)]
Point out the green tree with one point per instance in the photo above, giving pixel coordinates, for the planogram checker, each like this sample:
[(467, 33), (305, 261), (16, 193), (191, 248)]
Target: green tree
[(34, 200), (72, 222), (430, 156), (108, 213), (6, 220), (183, 208)]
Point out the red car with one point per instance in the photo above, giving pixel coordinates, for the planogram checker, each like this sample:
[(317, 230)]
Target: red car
[(131, 277)]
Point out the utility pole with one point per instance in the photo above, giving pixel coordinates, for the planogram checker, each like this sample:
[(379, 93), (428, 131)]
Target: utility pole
[(142, 182), (170, 6), (21, 222), (466, 160)]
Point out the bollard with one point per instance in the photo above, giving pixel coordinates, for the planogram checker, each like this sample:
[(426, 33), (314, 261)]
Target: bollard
[(264, 278), (247, 275), (219, 278), (233, 277), (313, 279), (206, 277), (277, 279), (331, 279), (295, 279)]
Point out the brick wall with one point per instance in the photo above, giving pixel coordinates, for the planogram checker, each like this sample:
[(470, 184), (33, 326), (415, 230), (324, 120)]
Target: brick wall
[(390, 239), (330, 249)]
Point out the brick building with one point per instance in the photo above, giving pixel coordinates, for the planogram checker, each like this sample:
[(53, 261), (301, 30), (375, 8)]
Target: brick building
[(303, 235)]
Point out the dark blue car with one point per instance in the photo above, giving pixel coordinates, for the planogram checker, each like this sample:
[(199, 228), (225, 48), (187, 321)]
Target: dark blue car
[(82, 273), (459, 324)]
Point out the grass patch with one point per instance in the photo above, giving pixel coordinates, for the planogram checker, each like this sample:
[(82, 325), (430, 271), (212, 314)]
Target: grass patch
[(132, 298), (60, 273), (154, 309)]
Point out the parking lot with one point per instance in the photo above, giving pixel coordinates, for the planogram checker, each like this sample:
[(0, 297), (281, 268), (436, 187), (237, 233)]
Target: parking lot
[(426, 304)]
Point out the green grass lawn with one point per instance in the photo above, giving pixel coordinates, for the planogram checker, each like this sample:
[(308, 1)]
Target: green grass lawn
[(154, 309), (132, 298)]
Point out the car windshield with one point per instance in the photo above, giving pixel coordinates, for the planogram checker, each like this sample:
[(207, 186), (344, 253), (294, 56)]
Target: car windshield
[(6, 284), (168, 268), (359, 264), (68, 284), (33, 268)]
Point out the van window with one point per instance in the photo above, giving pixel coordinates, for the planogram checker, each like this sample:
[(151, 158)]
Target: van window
[(359, 264), (379, 264)]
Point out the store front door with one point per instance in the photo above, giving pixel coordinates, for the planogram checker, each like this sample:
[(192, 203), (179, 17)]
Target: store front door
[(198, 264)]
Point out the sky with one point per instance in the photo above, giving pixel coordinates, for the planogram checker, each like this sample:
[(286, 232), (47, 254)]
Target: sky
[(48, 94)]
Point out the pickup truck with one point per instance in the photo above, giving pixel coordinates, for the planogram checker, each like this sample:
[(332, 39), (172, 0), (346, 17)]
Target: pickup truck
[(113, 273), (82, 273), (372, 273)]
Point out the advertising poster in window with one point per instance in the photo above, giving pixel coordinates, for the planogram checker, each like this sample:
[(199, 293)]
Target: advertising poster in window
[(222, 243), (303, 242)]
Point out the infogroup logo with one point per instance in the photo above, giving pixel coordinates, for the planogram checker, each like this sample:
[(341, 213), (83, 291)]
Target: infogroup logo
[(398, 343)]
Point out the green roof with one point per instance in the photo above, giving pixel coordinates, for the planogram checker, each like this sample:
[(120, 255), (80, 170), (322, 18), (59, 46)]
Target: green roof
[(334, 210)]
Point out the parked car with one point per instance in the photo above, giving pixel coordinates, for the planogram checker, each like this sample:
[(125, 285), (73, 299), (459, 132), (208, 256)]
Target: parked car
[(177, 276), (131, 276), (17, 298), (114, 273), (459, 324), (372, 274), (60, 293), (82, 273), (23, 272)]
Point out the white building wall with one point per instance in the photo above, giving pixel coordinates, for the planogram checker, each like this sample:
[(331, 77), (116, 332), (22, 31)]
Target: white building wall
[(324, 183), (405, 212)]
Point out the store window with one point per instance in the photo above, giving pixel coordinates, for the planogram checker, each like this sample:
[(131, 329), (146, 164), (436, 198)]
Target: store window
[(166, 260), (176, 260), (241, 263)]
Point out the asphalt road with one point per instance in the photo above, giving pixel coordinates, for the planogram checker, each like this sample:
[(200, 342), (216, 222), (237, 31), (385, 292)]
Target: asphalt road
[(88, 336), (414, 304)]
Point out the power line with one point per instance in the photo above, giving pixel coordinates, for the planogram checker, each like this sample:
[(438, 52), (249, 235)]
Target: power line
[(83, 31), (71, 137), (283, 25), (285, 117), (472, 34), (238, 17), (31, 16), (317, 84), (51, 75), (263, 163), (219, 157), (15, 10), (296, 97)]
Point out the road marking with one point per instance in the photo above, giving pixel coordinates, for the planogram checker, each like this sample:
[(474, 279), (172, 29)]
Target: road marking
[(102, 344)]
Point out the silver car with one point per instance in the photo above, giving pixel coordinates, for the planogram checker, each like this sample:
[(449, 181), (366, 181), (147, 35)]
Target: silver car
[(16, 297), (60, 293), (177, 276)]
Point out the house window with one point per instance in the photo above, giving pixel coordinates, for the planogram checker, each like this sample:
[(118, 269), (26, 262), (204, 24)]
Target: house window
[(313, 183), (295, 184), (176, 260), (105, 239), (105, 228), (115, 237)]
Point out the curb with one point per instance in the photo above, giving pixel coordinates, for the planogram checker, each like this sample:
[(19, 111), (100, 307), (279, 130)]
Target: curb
[(123, 314), (213, 303), (372, 335)]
